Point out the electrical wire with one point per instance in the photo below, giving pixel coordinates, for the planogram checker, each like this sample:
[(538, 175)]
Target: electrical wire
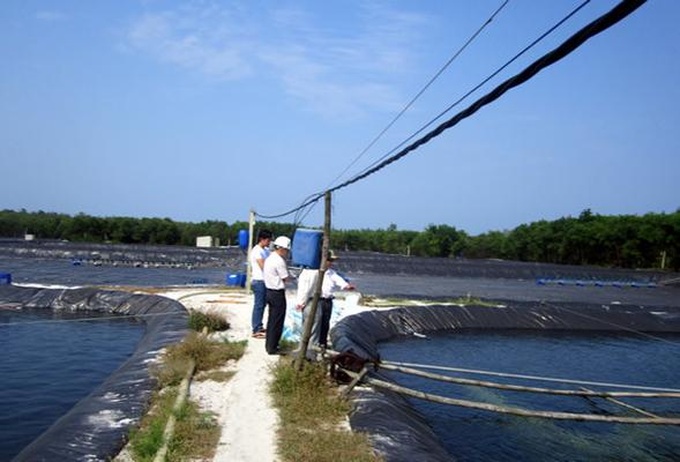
[(482, 83), (309, 205), (420, 93), (619, 12), (604, 22)]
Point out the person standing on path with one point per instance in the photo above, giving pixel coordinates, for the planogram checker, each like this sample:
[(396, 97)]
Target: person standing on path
[(258, 254), (276, 275), (306, 285)]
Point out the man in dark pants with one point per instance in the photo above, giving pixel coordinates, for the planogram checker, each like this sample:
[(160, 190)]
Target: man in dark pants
[(275, 277), (324, 310)]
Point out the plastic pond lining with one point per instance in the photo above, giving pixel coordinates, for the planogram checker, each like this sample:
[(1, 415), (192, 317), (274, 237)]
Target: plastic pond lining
[(397, 431), (96, 428)]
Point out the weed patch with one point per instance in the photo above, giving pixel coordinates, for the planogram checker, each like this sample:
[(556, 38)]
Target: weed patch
[(208, 355), (196, 433), (312, 413), (211, 321)]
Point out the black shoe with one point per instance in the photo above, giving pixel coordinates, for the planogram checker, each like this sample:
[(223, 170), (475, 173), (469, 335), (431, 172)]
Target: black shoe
[(278, 351)]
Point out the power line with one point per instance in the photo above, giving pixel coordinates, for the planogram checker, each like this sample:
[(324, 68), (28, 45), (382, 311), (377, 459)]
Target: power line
[(427, 85), (309, 204), (604, 22), (310, 200), (619, 12), (482, 83)]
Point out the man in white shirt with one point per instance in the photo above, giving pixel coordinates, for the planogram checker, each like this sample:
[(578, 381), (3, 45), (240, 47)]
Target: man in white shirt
[(258, 254), (276, 275), (306, 285)]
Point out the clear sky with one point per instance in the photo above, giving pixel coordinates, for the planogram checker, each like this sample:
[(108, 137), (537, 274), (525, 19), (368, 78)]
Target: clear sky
[(198, 110)]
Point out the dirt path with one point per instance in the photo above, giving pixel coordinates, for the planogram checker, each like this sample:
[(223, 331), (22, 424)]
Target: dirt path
[(242, 405)]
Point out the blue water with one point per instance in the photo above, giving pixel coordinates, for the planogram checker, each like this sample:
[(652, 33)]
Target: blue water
[(62, 272), (49, 361), (471, 435)]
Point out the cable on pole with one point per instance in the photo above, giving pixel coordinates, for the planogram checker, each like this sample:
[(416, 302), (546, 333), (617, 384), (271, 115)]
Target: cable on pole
[(619, 12), (604, 22), (482, 83), (427, 85)]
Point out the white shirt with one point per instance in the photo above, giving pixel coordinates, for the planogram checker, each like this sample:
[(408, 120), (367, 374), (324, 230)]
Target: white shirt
[(307, 284), (331, 281), (257, 253), (275, 271)]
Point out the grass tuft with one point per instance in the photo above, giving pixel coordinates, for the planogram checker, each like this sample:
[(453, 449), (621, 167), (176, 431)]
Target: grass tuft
[(147, 439), (212, 321), (311, 413), (196, 433), (207, 355)]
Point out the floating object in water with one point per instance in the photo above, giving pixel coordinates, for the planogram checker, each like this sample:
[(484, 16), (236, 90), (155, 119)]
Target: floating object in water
[(5, 278), (582, 283)]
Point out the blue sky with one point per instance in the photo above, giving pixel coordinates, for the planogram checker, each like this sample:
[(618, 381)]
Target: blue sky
[(200, 110)]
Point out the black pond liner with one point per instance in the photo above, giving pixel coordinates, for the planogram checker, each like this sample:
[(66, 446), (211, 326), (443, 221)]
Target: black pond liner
[(399, 432), (96, 428)]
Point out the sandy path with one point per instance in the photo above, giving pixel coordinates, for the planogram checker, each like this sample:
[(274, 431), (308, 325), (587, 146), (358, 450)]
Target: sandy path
[(242, 405)]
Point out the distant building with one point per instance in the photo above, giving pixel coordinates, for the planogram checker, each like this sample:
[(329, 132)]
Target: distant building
[(207, 241)]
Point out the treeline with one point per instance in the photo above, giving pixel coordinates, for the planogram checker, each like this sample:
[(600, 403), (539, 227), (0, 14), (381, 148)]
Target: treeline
[(626, 241), (120, 230)]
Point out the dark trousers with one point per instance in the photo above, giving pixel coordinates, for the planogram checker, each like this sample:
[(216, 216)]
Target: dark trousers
[(276, 300), (326, 307)]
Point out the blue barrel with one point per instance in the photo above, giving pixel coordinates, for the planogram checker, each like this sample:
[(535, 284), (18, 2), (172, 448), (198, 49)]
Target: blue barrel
[(306, 248), (243, 239), (5, 278), (237, 280)]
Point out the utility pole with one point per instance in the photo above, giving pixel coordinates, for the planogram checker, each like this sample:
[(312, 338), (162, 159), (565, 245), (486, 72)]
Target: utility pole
[(309, 319), (249, 269)]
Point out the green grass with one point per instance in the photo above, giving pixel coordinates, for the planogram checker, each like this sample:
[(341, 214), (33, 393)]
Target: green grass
[(208, 355), (146, 440), (311, 416), (212, 321), (196, 433)]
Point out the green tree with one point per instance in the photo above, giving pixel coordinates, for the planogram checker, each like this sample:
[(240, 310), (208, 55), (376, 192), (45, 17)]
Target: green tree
[(438, 241)]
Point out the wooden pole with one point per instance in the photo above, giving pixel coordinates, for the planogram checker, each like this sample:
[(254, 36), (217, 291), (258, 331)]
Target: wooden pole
[(627, 406), (552, 391), (309, 319), (249, 270), (355, 381), (530, 377), (516, 410)]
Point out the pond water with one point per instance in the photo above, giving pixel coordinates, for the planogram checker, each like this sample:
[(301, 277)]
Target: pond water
[(49, 362), (472, 435)]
